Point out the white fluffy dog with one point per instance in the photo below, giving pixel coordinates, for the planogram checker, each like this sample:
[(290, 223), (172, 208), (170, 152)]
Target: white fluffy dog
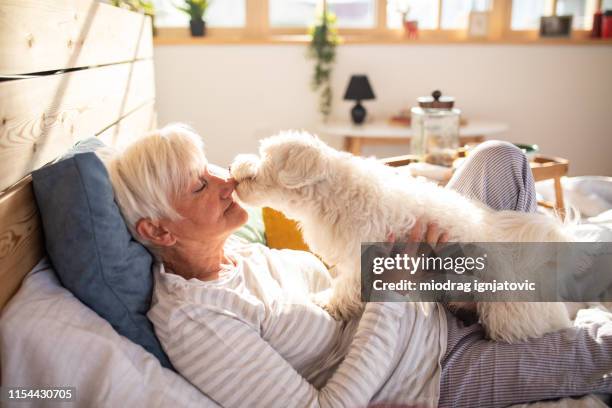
[(341, 200)]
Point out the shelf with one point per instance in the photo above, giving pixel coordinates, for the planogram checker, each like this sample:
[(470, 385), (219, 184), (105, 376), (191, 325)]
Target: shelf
[(367, 39)]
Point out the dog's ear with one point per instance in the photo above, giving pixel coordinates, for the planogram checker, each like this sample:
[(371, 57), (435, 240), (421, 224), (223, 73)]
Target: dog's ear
[(305, 165)]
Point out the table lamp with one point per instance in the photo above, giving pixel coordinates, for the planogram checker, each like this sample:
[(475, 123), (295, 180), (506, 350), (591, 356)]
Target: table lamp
[(358, 90)]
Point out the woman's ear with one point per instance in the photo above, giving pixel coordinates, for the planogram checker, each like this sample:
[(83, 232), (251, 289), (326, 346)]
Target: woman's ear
[(155, 233)]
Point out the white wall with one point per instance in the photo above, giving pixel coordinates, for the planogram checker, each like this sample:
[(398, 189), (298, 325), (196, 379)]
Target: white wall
[(559, 97)]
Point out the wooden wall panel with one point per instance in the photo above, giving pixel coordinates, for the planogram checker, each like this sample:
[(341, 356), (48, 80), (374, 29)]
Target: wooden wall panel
[(21, 240), (45, 35), (132, 127), (108, 90), (21, 237), (42, 117)]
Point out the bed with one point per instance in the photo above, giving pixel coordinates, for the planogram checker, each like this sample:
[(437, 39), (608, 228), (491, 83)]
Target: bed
[(70, 70)]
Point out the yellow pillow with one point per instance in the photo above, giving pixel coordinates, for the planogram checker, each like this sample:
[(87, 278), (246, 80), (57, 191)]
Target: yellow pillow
[(281, 232)]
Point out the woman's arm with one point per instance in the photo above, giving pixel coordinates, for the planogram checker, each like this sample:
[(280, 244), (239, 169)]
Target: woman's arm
[(230, 362)]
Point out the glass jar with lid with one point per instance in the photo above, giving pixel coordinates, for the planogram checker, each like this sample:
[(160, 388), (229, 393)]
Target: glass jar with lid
[(435, 129)]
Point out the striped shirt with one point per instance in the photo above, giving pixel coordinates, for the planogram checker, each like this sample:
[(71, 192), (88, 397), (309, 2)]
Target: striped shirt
[(252, 338)]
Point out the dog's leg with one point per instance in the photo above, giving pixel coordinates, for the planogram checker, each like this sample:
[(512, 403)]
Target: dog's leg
[(343, 300), (513, 322)]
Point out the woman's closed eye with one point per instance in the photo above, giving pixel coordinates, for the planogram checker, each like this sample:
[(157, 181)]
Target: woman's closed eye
[(203, 184)]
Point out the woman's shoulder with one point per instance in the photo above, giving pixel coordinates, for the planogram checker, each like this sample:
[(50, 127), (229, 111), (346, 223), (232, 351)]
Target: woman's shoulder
[(176, 299), (174, 291)]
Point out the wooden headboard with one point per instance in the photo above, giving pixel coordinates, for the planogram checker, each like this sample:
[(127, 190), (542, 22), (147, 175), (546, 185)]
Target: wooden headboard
[(69, 69)]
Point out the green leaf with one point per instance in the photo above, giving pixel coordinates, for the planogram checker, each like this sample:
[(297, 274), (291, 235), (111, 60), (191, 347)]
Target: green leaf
[(322, 48)]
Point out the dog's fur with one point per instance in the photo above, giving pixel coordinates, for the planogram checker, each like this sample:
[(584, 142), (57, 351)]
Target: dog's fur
[(341, 200)]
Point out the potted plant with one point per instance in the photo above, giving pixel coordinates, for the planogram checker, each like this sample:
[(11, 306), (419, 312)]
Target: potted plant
[(196, 9), (322, 48)]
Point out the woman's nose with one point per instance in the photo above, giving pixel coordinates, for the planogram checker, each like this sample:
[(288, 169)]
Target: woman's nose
[(227, 188), (231, 183), (227, 184)]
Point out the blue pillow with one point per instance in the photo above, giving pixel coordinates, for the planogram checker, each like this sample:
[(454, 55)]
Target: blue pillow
[(91, 249)]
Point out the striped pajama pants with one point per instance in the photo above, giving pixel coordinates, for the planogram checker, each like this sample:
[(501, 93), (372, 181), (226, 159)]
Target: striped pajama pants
[(481, 373)]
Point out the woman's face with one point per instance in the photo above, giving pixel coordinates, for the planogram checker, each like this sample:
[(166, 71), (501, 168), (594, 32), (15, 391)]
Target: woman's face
[(208, 207)]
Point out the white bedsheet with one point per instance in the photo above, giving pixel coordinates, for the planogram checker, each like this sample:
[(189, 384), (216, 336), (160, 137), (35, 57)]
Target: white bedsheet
[(49, 338), (590, 195)]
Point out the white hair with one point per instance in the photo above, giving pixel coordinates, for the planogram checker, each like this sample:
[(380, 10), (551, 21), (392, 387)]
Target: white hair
[(151, 172)]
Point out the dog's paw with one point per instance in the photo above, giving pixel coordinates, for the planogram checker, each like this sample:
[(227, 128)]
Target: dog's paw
[(322, 298), (336, 309), (244, 167)]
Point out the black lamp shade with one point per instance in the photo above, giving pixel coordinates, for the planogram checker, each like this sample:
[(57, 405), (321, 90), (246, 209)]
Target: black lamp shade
[(359, 89)]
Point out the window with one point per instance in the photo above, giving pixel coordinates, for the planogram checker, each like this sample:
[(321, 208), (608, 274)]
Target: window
[(292, 13), (526, 13), (454, 15), (425, 11), (287, 21), (354, 13), (302, 13), (581, 10), (225, 13)]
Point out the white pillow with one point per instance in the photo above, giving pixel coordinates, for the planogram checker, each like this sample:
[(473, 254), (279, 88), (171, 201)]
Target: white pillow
[(591, 195), (49, 338)]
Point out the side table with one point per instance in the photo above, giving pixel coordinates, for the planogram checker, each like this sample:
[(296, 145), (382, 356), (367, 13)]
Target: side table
[(542, 167), (384, 133)]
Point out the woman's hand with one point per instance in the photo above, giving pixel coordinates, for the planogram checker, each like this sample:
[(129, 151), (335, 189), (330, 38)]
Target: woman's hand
[(424, 232), (430, 233)]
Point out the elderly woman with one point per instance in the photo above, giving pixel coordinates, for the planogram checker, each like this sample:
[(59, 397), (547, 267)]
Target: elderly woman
[(235, 319)]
